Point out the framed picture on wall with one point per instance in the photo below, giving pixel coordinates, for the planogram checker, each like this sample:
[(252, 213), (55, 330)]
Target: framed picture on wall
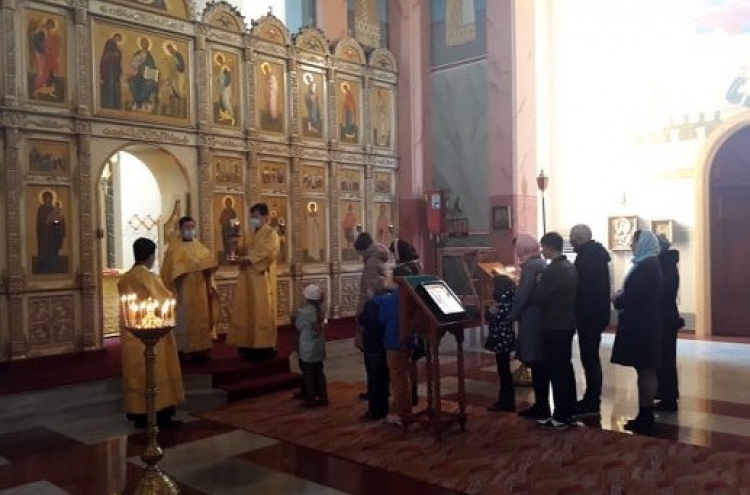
[(501, 219), (621, 230), (665, 227)]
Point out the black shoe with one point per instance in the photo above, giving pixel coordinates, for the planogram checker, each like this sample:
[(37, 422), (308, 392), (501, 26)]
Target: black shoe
[(414, 400), (555, 424), (666, 406), (169, 424), (502, 407), (535, 412), (363, 396), (371, 416), (317, 402), (643, 423), (585, 409)]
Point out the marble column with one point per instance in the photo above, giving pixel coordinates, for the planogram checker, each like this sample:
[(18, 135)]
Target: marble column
[(332, 19), (511, 122), (409, 36)]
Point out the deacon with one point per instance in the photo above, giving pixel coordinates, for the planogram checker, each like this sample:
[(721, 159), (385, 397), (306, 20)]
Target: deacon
[(168, 376), (188, 271), (252, 325)]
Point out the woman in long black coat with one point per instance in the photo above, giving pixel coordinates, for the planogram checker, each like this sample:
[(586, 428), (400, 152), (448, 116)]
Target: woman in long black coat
[(639, 326)]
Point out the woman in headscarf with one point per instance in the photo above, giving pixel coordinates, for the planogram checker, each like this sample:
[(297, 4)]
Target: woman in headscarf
[(530, 344), (668, 391), (639, 325)]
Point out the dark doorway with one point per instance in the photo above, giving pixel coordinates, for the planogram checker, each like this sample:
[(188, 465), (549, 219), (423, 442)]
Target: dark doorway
[(730, 237)]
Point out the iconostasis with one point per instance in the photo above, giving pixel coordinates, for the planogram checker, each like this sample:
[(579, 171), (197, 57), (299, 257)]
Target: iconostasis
[(240, 114)]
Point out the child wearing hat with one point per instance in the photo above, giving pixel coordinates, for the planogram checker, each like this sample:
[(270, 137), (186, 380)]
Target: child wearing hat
[(309, 320)]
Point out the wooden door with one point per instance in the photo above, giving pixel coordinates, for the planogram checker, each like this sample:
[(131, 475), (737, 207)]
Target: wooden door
[(730, 256), (730, 237)]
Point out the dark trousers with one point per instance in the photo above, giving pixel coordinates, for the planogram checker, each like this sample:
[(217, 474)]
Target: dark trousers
[(667, 371), (540, 383), (589, 341), (315, 380), (378, 383), (558, 346), (507, 393), (163, 417)]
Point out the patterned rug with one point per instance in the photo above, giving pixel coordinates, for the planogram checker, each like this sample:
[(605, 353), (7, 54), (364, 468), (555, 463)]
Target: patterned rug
[(499, 453)]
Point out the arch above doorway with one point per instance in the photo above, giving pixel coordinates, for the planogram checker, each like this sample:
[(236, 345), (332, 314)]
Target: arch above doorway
[(703, 260)]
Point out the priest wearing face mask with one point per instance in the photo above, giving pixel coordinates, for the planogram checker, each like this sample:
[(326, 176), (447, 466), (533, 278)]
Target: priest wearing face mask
[(252, 325), (188, 271)]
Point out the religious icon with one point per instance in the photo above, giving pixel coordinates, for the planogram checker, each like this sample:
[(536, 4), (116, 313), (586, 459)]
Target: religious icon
[(226, 83), (382, 223), (273, 176), (460, 22), (311, 91), (229, 225), (349, 93), (350, 181), (381, 117), (621, 231), (174, 82), (142, 77), (663, 227), (227, 170), (51, 206), (314, 232), (383, 183), (351, 217), (271, 88), (313, 178), (50, 158), (46, 72), (278, 218)]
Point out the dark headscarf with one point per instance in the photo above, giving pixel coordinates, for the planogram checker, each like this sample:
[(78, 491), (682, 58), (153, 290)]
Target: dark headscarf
[(363, 241)]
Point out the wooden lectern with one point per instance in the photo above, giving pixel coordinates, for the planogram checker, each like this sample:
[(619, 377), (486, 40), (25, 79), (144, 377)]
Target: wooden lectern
[(416, 316)]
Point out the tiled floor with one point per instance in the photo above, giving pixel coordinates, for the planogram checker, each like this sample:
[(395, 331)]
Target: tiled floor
[(95, 451)]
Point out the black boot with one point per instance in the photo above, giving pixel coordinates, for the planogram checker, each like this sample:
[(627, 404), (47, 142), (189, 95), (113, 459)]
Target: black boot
[(643, 423)]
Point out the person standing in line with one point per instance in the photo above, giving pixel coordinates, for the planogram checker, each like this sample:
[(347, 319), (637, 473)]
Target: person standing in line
[(639, 325), (668, 392), (502, 341), (530, 343), (592, 313), (556, 294), (309, 320)]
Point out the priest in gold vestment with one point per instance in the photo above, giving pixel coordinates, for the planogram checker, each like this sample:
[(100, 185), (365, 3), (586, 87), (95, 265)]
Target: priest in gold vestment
[(252, 326), (188, 270), (144, 284)]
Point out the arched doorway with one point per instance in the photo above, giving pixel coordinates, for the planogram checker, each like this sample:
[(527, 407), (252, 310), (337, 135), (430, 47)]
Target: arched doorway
[(143, 191), (729, 203)]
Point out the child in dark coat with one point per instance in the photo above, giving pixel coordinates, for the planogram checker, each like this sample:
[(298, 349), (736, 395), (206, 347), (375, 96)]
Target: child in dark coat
[(378, 382), (502, 340)]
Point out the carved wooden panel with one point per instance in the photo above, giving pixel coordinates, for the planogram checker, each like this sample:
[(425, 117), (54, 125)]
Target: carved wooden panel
[(51, 320), (349, 294)]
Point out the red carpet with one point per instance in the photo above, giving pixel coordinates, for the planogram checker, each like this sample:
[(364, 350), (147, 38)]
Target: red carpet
[(499, 454), (68, 369)]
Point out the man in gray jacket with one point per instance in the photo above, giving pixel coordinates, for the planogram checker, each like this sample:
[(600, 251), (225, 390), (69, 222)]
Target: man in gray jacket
[(556, 294)]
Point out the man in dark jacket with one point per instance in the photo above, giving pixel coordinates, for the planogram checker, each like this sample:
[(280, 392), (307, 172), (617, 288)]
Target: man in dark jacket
[(555, 293), (668, 391), (592, 312)]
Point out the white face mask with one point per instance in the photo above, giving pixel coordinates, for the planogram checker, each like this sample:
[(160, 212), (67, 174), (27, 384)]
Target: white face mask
[(255, 223), (188, 235)]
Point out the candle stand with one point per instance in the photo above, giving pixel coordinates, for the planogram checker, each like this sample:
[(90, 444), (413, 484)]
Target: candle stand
[(154, 481)]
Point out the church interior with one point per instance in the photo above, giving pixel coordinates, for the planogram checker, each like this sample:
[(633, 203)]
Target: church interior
[(455, 125)]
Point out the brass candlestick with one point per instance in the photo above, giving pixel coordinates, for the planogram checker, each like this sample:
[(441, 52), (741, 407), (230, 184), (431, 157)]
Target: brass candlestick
[(155, 481)]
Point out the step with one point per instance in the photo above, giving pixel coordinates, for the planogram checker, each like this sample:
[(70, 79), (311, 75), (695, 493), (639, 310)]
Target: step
[(255, 387), (241, 370)]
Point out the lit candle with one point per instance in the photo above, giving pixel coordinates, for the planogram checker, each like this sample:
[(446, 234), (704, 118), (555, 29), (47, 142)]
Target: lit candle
[(124, 308)]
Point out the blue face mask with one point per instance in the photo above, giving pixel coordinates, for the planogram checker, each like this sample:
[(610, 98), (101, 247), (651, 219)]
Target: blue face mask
[(255, 223), (188, 235)]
